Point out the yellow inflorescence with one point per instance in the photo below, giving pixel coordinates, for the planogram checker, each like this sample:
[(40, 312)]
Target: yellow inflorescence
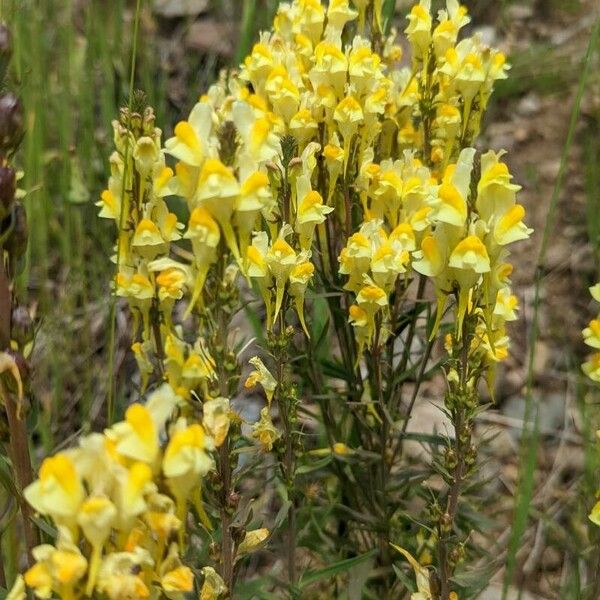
[(312, 130)]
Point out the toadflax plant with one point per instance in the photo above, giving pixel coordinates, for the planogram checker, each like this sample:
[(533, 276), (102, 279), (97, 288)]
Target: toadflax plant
[(336, 185)]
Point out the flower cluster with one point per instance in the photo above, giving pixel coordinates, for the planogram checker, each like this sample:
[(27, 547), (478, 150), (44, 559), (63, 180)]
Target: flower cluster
[(324, 161), (119, 502)]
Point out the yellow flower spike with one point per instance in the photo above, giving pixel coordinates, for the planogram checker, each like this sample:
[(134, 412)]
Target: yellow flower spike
[(595, 292), (58, 492)]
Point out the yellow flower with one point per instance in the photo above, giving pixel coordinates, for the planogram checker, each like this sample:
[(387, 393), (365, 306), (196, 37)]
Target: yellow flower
[(191, 143), (261, 375), (145, 154), (216, 419), (348, 115), (431, 260), (148, 240), (136, 437), (58, 492), (471, 255), (419, 28), (450, 23), (253, 540), (213, 587), (339, 13), (187, 457), (264, 431), (506, 305), (96, 518), (330, 67), (510, 227), (178, 581), (592, 367), (121, 575), (303, 126), (371, 298)]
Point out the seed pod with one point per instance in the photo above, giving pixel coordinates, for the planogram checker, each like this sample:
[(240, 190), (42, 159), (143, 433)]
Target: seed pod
[(11, 122), (8, 186)]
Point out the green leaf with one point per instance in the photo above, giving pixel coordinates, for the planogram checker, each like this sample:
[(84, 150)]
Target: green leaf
[(334, 569), (314, 466)]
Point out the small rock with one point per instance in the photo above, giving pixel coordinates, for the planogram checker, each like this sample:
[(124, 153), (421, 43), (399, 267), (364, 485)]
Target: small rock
[(521, 134), (427, 418), (519, 12), (549, 169), (211, 36), (171, 9), (529, 105)]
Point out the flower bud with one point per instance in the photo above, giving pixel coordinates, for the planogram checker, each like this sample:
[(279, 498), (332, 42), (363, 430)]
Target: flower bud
[(149, 121), (8, 188), (21, 326), (11, 122)]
